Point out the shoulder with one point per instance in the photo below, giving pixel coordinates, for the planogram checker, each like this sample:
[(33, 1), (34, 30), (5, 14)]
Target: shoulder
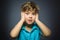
[(36, 26)]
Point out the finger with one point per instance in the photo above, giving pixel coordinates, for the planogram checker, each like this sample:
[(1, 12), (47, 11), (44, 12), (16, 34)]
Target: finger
[(37, 14), (22, 14)]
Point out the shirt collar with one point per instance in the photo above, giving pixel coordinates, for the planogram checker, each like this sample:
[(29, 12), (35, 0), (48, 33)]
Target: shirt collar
[(35, 27)]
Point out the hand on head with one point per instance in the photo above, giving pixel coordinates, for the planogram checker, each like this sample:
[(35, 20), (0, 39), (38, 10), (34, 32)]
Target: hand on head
[(36, 17), (22, 16)]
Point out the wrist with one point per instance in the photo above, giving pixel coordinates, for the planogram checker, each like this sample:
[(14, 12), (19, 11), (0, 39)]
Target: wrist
[(37, 20), (22, 20)]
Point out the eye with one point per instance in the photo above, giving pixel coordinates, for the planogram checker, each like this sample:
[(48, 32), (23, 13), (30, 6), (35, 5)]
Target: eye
[(33, 13), (27, 13)]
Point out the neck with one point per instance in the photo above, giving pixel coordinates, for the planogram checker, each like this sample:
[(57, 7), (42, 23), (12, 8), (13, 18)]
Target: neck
[(28, 25)]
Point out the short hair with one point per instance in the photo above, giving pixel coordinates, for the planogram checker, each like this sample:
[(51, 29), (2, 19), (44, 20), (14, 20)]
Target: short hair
[(29, 6)]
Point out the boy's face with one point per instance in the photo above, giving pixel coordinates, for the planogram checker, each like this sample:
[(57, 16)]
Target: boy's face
[(30, 17)]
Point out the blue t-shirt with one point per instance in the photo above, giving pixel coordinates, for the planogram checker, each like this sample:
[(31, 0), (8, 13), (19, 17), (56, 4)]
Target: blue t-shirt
[(34, 34)]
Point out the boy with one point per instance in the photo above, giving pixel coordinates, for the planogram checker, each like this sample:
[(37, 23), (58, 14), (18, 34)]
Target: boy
[(29, 27)]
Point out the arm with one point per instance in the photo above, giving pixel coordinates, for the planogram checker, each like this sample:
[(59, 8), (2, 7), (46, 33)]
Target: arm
[(15, 31), (46, 31)]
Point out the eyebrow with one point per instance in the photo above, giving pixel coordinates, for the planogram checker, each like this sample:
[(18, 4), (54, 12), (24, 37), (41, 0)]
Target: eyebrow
[(29, 13)]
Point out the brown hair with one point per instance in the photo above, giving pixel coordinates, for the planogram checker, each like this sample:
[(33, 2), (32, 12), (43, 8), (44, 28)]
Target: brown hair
[(29, 6)]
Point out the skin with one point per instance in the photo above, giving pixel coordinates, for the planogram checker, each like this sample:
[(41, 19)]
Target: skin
[(30, 17), (33, 17)]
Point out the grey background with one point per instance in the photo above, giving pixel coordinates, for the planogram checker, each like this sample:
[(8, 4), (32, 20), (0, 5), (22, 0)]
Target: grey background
[(11, 15)]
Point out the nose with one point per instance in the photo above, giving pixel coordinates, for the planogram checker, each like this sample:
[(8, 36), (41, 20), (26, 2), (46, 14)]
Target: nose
[(30, 16)]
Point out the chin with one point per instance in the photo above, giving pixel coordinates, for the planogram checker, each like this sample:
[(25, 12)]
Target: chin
[(29, 23)]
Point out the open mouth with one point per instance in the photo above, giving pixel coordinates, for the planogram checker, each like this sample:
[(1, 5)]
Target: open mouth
[(30, 20)]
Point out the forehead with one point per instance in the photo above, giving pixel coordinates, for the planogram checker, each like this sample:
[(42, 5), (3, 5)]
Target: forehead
[(30, 11)]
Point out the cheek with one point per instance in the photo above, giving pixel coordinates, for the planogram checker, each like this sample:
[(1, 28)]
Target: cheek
[(34, 18), (26, 16)]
